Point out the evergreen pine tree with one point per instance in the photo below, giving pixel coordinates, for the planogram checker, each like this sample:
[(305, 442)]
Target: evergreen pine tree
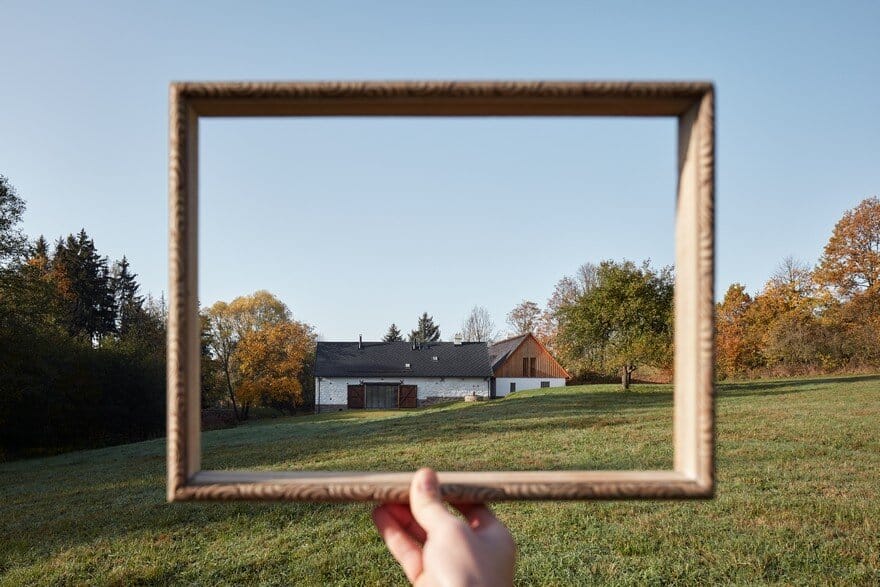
[(426, 331), (40, 250), (83, 279), (393, 334), (127, 303)]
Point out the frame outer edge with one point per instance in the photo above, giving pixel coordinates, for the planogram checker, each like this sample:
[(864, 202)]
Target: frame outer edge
[(454, 493), (179, 422), (384, 89), (706, 432), (177, 213)]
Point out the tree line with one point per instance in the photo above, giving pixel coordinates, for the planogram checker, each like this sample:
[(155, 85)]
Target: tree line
[(616, 317), (820, 319), (82, 351)]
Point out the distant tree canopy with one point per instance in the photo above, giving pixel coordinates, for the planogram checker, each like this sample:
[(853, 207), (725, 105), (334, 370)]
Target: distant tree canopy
[(620, 321), (393, 334), (850, 264), (478, 326), (524, 317), (425, 331)]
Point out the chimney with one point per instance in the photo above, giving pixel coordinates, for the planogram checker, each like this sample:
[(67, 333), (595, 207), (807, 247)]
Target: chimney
[(457, 340), (360, 341)]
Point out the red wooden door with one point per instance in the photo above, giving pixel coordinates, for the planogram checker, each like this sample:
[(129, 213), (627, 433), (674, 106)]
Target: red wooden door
[(408, 396), (356, 396)]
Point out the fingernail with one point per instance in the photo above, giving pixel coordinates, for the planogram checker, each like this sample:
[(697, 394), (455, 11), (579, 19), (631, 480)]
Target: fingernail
[(429, 482)]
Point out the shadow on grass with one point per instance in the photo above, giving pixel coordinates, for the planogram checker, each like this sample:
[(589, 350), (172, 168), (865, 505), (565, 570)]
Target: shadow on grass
[(529, 412), (770, 387), (310, 441), (153, 520), (76, 499)]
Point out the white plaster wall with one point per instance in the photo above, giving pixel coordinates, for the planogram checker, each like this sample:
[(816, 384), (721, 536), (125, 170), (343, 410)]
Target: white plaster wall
[(334, 390), (502, 384)]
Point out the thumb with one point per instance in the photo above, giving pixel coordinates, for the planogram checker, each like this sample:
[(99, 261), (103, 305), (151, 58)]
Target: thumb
[(425, 503)]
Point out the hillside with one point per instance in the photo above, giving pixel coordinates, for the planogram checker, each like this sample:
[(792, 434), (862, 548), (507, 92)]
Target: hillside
[(798, 470)]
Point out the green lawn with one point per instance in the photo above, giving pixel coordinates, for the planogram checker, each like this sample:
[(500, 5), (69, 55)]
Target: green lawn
[(797, 497)]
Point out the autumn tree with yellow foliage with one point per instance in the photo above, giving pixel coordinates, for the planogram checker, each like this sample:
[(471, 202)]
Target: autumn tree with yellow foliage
[(804, 320), (270, 364), (263, 354)]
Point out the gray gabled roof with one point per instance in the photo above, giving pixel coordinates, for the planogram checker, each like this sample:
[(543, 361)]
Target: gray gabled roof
[(389, 359), (499, 351)]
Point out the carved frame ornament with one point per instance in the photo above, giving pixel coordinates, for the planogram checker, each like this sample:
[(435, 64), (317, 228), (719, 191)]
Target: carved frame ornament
[(692, 103)]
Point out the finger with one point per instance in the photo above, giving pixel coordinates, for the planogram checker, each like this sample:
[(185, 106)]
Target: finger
[(487, 527), (425, 503), (401, 545), (405, 518), (477, 515)]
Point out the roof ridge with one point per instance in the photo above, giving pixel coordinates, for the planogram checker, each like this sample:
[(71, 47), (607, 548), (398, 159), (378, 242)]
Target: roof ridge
[(510, 338)]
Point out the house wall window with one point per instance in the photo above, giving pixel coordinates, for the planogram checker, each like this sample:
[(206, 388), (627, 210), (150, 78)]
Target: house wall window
[(525, 371), (533, 367)]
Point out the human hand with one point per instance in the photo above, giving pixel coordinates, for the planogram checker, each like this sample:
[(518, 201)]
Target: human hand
[(436, 548)]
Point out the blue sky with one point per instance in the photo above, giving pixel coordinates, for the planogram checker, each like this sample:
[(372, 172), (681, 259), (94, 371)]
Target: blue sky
[(356, 223)]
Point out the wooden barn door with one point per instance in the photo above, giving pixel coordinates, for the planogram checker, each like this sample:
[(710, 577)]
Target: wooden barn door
[(356, 396), (408, 396)]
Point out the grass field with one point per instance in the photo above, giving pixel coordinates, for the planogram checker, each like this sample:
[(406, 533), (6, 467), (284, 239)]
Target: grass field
[(798, 498)]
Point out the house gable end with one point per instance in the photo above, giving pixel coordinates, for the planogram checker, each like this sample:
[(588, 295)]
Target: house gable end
[(530, 348)]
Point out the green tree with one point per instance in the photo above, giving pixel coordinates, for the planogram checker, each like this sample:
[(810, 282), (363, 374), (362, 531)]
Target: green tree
[(567, 291), (83, 279), (13, 243), (212, 383), (426, 331), (393, 334), (128, 303), (30, 292), (622, 321)]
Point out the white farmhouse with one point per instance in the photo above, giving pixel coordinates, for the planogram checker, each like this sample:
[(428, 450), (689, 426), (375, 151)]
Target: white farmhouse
[(390, 375)]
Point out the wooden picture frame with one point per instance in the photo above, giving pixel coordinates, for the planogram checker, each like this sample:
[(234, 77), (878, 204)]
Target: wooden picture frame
[(692, 103)]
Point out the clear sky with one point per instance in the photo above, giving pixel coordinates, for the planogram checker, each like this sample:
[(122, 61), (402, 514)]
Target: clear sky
[(357, 223)]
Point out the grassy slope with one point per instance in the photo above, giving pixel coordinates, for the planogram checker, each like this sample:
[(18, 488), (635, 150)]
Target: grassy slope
[(798, 469)]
